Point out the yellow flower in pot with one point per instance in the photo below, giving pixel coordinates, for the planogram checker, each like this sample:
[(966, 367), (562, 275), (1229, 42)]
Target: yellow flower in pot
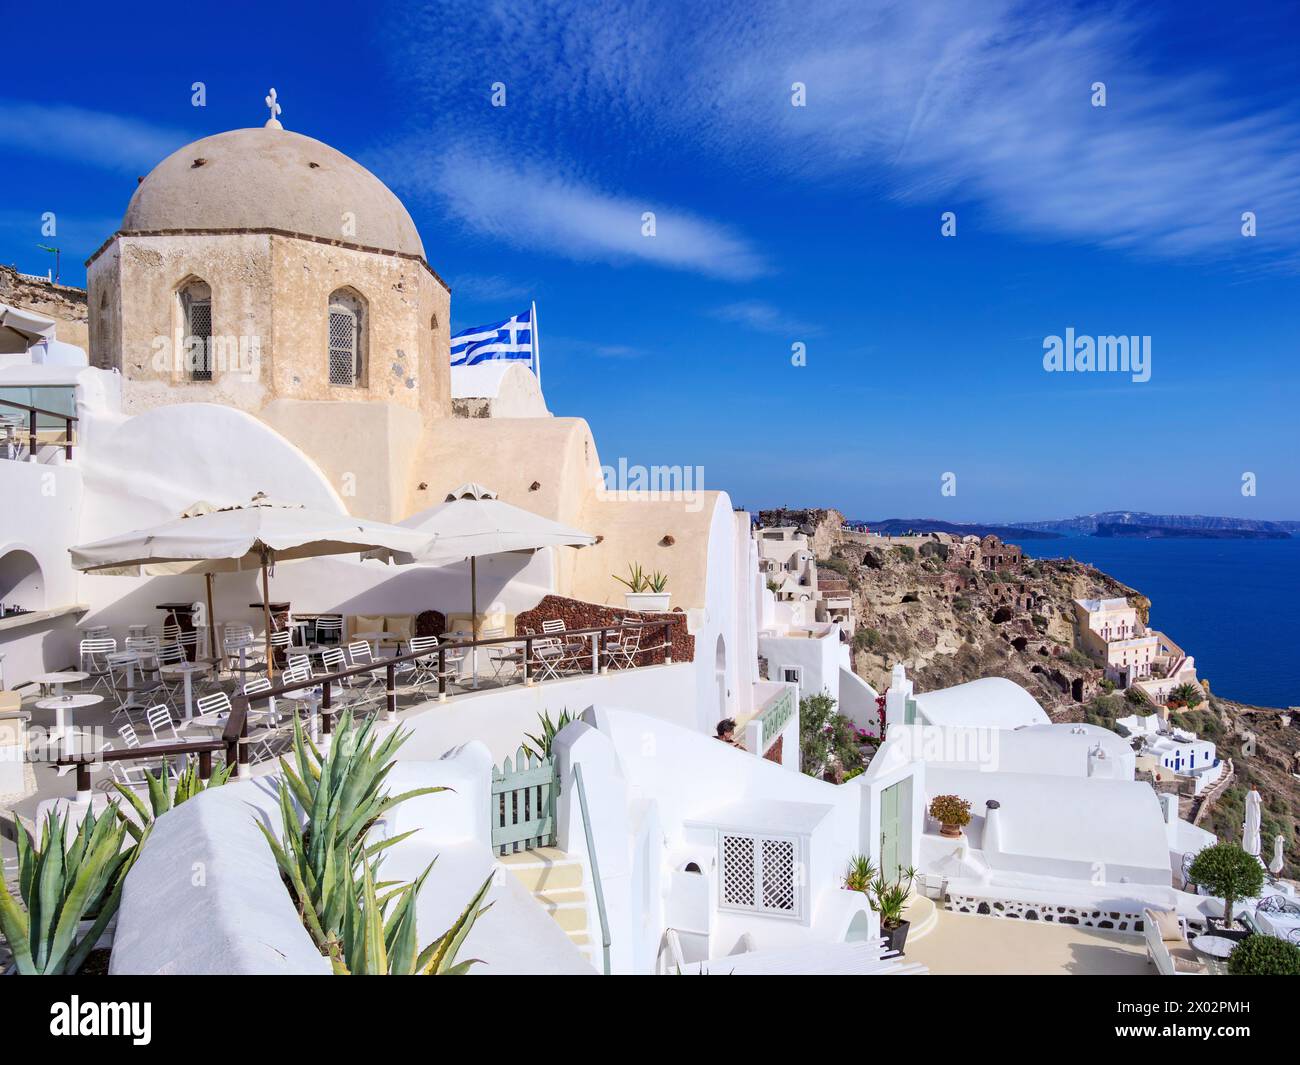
[(952, 812)]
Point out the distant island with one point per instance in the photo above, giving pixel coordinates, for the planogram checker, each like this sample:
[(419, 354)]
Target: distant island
[(1111, 524), (1160, 532)]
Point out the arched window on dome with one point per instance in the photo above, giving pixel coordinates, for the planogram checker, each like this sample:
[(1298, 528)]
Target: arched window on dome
[(195, 297), (347, 338)]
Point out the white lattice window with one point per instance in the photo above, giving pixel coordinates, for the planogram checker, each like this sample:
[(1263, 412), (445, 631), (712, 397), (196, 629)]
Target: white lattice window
[(196, 330), (347, 335), (760, 874)]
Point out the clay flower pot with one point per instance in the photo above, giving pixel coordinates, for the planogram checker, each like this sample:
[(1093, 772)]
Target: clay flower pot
[(950, 831)]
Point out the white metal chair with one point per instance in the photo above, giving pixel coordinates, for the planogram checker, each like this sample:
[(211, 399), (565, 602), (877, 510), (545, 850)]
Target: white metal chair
[(131, 740), (329, 629), (269, 735), (502, 656), (94, 660), (425, 669), (575, 647), (550, 655), (622, 649), (131, 685), (162, 725)]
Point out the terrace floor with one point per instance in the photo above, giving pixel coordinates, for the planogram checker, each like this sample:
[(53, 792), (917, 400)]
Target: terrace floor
[(969, 944)]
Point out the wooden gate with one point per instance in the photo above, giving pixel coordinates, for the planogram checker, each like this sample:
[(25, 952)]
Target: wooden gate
[(523, 803)]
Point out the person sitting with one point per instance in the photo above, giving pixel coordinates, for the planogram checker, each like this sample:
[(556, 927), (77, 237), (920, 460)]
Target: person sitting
[(727, 733)]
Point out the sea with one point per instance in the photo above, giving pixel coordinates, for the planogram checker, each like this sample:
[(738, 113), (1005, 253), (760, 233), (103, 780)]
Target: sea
[(1233, 605)]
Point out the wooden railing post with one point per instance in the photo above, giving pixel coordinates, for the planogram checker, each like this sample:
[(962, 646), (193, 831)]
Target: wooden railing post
[(31, 436), (442, 673), (83, 780), (668, 643), (326, 714), (205, 765), (245, 763), (604, 650), (528, 661), (390, 684), (67, 451)]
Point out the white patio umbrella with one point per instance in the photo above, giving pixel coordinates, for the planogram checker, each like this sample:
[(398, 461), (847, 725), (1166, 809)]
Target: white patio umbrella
[(1278, 863), (245, 536), (472, 522), (1250, 840)]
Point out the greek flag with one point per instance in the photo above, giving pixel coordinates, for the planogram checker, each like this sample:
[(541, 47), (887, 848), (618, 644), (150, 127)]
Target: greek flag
[(515, 339)]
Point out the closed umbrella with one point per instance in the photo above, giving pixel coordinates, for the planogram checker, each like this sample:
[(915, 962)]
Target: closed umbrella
[(1250, 841), (1278, 863), (252, 535), (472, 522)]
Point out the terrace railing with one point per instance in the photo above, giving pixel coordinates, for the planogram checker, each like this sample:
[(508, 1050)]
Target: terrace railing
[(774, 717), (235, 739), (33, 441)]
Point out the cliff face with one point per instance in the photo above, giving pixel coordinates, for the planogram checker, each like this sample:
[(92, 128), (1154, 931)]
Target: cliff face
[(950, 623)]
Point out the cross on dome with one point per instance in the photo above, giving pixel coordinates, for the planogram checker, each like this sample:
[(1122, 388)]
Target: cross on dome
[(273, 122)]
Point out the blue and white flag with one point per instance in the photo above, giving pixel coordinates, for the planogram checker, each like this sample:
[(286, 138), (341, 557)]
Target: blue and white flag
[(515, 339)]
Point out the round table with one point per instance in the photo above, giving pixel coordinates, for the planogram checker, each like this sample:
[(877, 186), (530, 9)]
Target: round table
[(187, 671), (63, 703), (1214, 946), (59, 679)]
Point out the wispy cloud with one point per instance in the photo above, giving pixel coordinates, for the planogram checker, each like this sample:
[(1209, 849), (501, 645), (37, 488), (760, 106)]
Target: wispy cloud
[(945, 103), (94, 138), (530, 206), (763, 318), (590, 348)]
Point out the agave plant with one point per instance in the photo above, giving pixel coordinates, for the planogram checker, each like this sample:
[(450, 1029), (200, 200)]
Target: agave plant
[(859, 873), (376, 942), (540, 746), (656, 582), (63, 882), (636, 579), (161, 799), (333, 873)]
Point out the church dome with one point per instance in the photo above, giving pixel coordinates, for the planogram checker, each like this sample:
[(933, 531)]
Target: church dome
[(271, 179)]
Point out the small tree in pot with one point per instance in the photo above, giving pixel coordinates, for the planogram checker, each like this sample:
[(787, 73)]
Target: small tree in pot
[(889, 900), (953, 814), (1226, 870)]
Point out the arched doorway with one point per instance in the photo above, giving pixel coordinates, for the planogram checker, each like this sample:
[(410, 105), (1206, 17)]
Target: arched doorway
[(21, 582)]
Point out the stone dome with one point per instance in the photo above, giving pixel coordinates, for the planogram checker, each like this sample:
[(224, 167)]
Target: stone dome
[(271, 179)]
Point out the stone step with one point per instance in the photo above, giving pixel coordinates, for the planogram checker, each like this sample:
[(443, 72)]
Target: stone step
[(545, 869)]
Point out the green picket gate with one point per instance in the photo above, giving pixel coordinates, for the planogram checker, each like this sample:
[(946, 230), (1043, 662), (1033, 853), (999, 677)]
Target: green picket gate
[(523, 803)]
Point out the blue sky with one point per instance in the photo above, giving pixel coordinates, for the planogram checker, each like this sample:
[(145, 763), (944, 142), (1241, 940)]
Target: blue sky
[(778, 224)]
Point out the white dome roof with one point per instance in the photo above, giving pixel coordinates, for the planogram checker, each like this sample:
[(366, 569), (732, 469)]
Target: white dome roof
[(271, 179), (990, 702)]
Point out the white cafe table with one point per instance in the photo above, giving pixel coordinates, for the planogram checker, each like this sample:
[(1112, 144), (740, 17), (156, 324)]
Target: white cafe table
[(58, 679), (63, 703), (186, 670)]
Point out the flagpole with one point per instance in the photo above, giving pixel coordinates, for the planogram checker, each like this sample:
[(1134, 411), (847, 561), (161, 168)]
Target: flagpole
[(537, 348)]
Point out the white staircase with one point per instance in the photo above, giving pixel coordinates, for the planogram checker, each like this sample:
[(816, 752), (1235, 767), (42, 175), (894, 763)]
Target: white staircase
[(558, 882)]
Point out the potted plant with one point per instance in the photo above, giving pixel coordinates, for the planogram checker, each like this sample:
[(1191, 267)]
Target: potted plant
[(889, 900), (952, 813), (1226, 870), (645, 591)]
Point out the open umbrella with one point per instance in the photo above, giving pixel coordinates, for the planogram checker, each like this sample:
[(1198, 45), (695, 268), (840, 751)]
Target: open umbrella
[(252, 535), (472, 522), (1250, 841)]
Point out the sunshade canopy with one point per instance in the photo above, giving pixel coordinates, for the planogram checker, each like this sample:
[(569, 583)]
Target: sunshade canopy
[(209, 539), (473, 522)]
